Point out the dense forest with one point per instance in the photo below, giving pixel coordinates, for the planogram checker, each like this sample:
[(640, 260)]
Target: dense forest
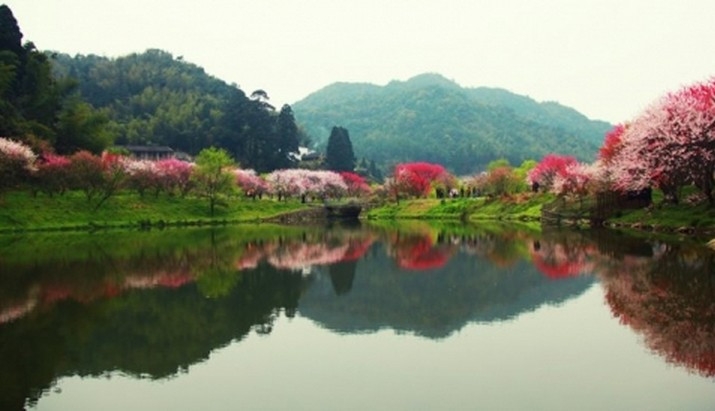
[(153, 98), (58, 103), (430, 118), (38, 108)]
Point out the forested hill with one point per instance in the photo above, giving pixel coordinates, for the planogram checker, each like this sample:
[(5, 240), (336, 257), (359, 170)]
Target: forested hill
[(155, 98), (430, 118)]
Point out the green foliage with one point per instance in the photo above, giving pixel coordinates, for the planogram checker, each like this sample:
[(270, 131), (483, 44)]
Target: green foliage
[(501, 162), (432, 119), (213, 177), (217, 281), (668, 216), (153, 98), (81, 127)]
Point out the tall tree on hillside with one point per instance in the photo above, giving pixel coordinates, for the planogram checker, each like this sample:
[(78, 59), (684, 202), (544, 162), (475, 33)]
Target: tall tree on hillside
[(287, 136), (10, 34), (261, 143), (339, 154), (34, 105)]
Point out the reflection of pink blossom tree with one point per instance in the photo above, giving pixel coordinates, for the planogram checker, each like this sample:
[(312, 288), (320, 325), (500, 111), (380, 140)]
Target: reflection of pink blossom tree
[(668, 300), (562, 257), (417, 251), (305, 253)]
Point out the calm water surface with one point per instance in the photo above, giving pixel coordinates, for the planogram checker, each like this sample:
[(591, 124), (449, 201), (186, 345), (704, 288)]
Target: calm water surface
[(409, 316)]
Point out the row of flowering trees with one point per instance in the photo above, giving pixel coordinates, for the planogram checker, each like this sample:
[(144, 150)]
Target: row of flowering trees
[(100, 177), (671, 144)]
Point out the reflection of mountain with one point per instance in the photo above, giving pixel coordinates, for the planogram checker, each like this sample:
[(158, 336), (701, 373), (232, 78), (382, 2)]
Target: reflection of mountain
[(437, 303), (152, 304)]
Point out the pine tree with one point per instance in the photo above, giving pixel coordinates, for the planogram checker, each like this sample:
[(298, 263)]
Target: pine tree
[(287, 136), (339, 155), (10, 35)]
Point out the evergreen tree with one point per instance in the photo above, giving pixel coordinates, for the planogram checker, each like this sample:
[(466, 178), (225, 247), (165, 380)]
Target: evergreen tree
[(374, 172), (339, 154), (10, 35), (287, 135), (36, 105)]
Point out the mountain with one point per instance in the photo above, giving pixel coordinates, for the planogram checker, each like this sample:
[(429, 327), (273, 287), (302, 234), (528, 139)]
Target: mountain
[(431, 118)]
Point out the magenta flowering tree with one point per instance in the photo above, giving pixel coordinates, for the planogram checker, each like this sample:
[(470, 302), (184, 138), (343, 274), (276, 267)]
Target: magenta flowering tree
[(250, 183), (175, 175), (53, 174), (551, 166), (356, 185), (17, 161)]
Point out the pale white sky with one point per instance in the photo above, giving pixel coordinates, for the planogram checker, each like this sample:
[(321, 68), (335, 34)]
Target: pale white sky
[(608, 58)]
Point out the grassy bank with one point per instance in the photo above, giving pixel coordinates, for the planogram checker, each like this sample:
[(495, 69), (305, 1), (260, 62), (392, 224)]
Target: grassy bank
[(667, 217), (661, 216), (20, 211), (525, 208)]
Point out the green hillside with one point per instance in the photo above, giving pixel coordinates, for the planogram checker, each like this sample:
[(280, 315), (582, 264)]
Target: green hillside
[(154, 98), (430, 118)]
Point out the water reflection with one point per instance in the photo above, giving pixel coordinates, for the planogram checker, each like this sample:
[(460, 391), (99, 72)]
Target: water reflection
[(151, 304), (668, 296)]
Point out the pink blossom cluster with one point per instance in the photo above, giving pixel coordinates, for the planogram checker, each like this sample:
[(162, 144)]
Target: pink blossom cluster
[(356, 185), (551, 166), (574, 179), (299, 182), (251, 183), (670, 144), (169, 175), (17, 151)]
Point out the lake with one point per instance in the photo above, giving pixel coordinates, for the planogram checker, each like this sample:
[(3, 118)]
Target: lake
[(351, 317)]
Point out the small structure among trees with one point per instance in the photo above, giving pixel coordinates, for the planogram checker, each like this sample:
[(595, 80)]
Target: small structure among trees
[(153, 153)]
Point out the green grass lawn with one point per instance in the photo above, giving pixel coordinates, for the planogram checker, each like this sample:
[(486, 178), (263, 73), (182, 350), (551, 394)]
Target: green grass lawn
[(21, 211), (464, 208)]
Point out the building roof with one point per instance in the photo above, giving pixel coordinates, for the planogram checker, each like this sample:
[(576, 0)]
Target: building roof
[(148, 149)]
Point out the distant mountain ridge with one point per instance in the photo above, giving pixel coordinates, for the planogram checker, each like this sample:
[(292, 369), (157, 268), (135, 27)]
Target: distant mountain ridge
[(431, 118)]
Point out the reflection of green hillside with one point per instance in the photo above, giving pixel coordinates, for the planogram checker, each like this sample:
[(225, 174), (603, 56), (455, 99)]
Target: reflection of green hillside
[(153, 303), (153, 333), (437, 302)]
